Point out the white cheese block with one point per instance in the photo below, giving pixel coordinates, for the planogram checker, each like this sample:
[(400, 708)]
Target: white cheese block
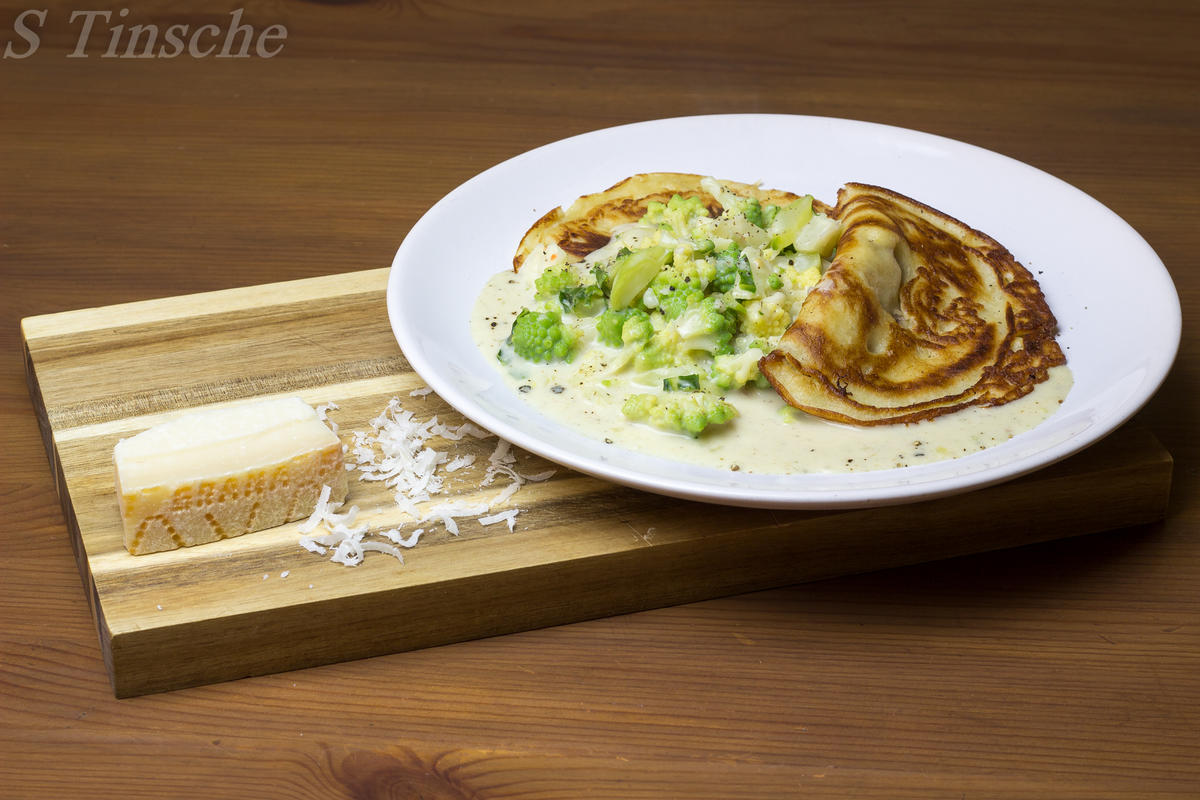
[(220, 473)]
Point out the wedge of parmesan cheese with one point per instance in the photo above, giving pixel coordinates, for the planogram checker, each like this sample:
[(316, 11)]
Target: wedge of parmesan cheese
[(225, 472)]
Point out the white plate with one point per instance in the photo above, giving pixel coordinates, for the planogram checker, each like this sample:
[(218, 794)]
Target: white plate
[(1097, 273)]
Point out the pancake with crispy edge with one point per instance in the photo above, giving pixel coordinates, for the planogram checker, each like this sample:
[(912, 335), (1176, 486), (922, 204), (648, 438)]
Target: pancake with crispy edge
[(919, 315)]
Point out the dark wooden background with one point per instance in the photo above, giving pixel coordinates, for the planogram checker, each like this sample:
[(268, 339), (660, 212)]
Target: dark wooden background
[(1064, 670)]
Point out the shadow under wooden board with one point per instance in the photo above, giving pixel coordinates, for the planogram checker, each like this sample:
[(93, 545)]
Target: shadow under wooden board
[(581, 548)]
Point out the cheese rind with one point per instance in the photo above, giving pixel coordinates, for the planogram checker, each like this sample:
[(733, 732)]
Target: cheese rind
[(222, 473)]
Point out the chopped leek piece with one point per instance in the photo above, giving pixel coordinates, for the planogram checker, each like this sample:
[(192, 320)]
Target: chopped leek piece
[(820, 235), (633, 273), (789, 221), (681, 383)]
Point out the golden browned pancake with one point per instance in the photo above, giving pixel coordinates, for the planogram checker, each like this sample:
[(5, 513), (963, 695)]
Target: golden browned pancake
[(588, 223), (918, 315)]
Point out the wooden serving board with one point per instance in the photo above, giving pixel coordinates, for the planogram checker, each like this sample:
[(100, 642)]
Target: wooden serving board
[(582, 547)]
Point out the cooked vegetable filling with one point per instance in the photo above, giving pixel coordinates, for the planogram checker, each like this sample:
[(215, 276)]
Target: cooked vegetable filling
[(676, 310)]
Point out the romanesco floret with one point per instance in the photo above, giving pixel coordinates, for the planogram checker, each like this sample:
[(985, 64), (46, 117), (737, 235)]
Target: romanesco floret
[(708, 325), (627, 326), (734, 370), (732, 270), (672, 304), (543, 336), (676, 289), (757, 213), (753, 211), (684, 272), (663, 350), (769, 316), (704, 328), (801, 279), (553, 280), (675, 215), (679, 412)]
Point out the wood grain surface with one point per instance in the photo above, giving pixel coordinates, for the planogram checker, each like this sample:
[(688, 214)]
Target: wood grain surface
[(1062, 669), (582, 548)]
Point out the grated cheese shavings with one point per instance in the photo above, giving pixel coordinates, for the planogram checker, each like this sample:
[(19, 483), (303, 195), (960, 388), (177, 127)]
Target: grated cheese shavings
[(323, 414), (409, 541), (319, 512), (397, 451), (504, 516), (460, 462)]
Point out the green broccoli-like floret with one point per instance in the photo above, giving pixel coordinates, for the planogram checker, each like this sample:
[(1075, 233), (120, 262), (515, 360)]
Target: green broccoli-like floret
[(674, 303), (627, 326), (758, 214), (732, 270), (679, 412), (542, 336), (684, 274), (704, 328), (753, 211), (768, 215), (675, 215), (553, 280), (708, 325), (637, 329), (661, 351), (733, 371), (679, 286)]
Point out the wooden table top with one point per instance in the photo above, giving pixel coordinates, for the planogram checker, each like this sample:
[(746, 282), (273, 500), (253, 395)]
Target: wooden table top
[(1068, 669)]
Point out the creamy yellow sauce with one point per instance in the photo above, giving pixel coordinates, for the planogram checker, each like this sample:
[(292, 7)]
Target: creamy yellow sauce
[(768, 436)]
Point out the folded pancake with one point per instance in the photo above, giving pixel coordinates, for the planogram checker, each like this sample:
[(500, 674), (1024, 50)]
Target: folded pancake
[(588, 223), (918, 315)]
